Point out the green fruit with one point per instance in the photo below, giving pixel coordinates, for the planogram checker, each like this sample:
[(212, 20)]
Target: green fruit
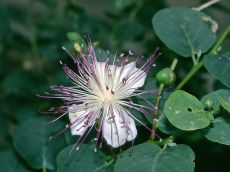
[(166, 76)]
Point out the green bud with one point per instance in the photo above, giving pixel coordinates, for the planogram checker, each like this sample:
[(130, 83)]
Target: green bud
[(166, 76), (209, 103)]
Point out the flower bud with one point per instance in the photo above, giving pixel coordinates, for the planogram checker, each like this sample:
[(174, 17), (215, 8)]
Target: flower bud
[(209, 104), (166, 76), (77, 47)]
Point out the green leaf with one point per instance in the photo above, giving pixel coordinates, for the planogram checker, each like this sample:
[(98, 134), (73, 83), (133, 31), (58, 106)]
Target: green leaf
[(25, 113), (185, 111), (183, 30), (214, 99), (219, 67), (10, 163), (225, 104), (151, 158), (166, 127), (219, 131), (84, 159), (32, 141)]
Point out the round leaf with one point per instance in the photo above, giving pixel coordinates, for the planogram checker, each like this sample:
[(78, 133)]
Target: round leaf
[(225, 104), (219, 67), (25, 113), (183, 30), (10, 163), (166, 127), (84, 159), (215, 97), (185, 111), (150, 157), (219, 131), (31, 140)]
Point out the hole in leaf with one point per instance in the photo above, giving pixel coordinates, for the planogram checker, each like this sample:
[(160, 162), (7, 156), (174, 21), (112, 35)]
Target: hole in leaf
[(189, 109)]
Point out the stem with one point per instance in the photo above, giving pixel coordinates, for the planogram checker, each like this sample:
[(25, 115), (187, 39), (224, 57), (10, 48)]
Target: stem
[(174, 63), (165, 146), (206, 5), (161, 87), (194, 59), (220, 40), (189, 75), (200, 64), (44, 166), (154, 126)]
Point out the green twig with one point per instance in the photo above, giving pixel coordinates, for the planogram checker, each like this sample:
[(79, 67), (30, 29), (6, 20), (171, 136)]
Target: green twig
[(220, 40), (154, 126), (206, 5), (197, 67), (160, 90), (44, 166), (174, 63), (194, 59)]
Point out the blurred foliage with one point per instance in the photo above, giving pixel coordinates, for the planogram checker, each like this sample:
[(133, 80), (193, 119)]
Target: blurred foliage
[(32, 33)]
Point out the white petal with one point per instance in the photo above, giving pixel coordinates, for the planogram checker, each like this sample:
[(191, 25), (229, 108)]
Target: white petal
[(118, 127), (100, 72), (78, 128), (135, 78)]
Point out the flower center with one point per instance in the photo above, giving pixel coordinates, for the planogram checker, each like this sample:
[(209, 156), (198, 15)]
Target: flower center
[(107, 95)]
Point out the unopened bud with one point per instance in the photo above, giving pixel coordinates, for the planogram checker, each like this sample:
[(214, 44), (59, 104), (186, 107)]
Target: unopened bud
[(209, 103), (77, 47)]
